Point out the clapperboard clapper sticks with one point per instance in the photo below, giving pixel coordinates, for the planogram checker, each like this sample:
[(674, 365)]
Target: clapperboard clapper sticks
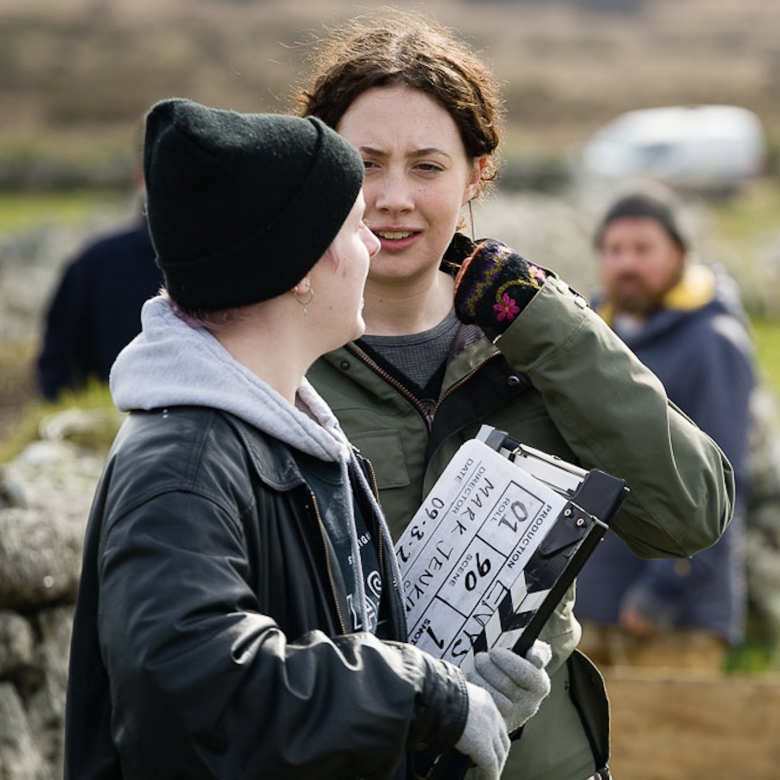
[(493, 549)]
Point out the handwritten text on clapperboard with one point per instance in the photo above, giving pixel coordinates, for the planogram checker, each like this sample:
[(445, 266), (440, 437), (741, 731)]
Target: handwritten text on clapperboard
[(467, 544)]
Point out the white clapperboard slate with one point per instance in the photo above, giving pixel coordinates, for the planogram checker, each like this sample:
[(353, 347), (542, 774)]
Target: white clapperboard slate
[(496, 544), (492, 550)]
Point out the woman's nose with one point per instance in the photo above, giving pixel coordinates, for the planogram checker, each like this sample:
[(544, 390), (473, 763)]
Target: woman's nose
[(394, 193)]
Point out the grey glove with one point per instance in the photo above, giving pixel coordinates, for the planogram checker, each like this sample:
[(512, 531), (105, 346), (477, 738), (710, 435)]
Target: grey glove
[(516, 684), (485, 739)]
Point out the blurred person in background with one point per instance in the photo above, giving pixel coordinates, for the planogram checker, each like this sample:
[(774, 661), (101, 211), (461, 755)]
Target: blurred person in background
[(462, 333), (239, 613), (95, 309), (684, 320)]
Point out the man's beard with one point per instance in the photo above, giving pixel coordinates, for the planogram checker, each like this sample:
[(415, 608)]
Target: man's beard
[(629, 295)]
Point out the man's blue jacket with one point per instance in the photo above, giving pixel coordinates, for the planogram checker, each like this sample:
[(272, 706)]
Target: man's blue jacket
[(699, 346)]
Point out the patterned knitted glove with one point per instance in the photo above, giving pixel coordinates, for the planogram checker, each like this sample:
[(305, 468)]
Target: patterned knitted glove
[(494, 285), (516, 684)]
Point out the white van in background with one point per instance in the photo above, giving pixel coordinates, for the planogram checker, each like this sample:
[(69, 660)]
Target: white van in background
[(706, 148)]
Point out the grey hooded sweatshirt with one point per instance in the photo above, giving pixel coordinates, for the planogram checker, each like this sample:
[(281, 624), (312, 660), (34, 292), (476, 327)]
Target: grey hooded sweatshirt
[(171, 363)]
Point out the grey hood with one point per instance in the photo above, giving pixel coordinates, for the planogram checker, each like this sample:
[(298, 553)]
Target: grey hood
[(172, 364)]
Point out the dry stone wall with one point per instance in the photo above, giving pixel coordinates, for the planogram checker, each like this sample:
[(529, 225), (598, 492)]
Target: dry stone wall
[(45, 494)]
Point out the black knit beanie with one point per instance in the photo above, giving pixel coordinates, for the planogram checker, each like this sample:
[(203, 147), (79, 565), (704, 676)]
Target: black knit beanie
[(241, 206), (657, 204)]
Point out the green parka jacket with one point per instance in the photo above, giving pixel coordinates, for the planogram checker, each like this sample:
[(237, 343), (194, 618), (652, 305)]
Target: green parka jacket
[(559, 380)]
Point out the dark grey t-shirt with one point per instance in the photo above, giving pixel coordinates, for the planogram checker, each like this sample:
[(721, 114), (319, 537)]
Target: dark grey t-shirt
[(420, 355)]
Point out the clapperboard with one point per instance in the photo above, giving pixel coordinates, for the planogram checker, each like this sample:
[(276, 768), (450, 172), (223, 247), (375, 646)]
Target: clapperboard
[(495, 545)]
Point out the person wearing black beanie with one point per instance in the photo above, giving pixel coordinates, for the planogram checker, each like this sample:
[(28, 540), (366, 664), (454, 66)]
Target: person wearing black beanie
[(241, 206), (239, 613)]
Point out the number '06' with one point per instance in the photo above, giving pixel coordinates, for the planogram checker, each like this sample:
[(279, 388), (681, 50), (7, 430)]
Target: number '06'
[(482, 569)]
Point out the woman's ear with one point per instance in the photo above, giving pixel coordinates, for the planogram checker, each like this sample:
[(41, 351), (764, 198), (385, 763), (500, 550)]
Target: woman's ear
[(472, 186)]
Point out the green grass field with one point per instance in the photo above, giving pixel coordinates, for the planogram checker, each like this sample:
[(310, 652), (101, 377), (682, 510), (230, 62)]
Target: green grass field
[(25, 211)]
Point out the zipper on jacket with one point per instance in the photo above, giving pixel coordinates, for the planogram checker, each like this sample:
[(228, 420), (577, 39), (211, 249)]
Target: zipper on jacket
[(375, 491), (374, 483), (426, 413), (328, 565), (462, 381), (390, 379)]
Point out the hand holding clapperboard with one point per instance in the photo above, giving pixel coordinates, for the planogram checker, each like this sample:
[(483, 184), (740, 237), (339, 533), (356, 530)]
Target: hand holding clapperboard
[(496, 544)]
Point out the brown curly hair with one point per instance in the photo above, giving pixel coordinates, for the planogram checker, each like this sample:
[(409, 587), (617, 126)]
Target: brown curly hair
[(395, 47)]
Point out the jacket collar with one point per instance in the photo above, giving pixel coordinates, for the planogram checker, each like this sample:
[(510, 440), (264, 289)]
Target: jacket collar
[(273, 461), (695, 290)]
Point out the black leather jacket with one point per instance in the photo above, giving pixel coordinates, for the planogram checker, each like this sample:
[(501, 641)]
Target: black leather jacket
[(208, 640)]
